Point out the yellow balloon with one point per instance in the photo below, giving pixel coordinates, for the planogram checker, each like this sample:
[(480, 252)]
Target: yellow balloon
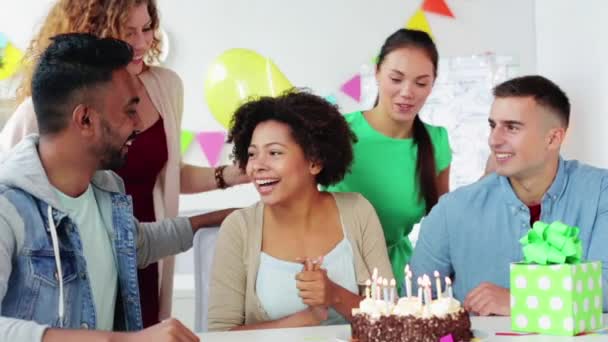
[(238, 75), (11, 61)]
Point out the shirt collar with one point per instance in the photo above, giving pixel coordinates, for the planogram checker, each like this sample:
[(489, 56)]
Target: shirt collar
[(552, 194)]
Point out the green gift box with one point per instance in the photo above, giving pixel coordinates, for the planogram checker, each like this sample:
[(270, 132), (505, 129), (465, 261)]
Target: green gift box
[(552, 292)]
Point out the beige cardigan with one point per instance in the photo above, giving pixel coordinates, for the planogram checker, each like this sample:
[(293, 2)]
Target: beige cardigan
[(166, 92), (232, 297)]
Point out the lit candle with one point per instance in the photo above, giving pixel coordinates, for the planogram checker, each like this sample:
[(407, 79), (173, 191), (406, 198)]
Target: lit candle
[(437, 284), (429, 297), (393, 284), (385, 289), (448, 284), (405, 270), (379, 288), (420, 290), (374, 279), (425, 294), (368, 283), (426, 282), (408, 283)]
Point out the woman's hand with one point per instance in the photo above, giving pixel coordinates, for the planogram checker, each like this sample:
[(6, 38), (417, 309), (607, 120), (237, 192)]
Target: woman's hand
[(315, 287)]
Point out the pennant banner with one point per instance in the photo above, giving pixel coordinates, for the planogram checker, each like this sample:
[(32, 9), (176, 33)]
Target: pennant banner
[(352, 88), (419, 22), (212, 144), (437, 7), (186, 140)]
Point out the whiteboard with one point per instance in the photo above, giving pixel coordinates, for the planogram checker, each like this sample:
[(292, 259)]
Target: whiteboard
[(460, 102)]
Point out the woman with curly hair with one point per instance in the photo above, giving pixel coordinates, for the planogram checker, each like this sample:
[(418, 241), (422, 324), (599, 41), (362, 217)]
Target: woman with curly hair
[(299, 256), (154, 174)]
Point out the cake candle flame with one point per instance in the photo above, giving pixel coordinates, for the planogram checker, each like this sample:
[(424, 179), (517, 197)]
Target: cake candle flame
[(408, 282), (448, 284)]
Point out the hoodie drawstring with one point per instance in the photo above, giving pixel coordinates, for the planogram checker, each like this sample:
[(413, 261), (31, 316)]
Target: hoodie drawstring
[(55, 240)]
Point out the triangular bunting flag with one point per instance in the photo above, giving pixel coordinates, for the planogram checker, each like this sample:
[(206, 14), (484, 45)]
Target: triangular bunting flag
[(186, 140), (211, 144), (418, 22), (352, 88), (437, 7)]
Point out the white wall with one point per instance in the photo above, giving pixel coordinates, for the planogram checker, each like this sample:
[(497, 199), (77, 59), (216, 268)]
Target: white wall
[(322, 43), (317, 43), (572, 51)]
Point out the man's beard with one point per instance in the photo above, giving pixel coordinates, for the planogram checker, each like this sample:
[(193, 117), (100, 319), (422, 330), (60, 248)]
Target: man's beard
[(112, 157)]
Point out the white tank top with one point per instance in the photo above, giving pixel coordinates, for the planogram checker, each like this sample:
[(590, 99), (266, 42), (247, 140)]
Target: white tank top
[(276, 281)]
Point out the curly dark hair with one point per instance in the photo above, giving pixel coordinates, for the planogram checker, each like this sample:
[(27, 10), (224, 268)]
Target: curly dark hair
[(316, 125)]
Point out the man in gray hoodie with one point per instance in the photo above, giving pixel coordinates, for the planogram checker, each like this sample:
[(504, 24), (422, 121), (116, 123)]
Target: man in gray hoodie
[(69, 245)]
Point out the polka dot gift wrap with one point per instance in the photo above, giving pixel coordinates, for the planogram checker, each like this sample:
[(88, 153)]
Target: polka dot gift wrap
[(556, 299)]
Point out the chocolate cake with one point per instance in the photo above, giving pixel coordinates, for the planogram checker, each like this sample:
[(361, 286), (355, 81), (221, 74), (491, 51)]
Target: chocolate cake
[(411, 319), (409, 328)]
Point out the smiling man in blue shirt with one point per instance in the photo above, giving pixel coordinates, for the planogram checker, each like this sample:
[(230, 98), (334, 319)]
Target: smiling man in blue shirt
[(473, 233)]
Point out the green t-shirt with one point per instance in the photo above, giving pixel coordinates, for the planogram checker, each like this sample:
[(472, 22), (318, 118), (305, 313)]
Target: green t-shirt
[(384, 172), (98, 253)]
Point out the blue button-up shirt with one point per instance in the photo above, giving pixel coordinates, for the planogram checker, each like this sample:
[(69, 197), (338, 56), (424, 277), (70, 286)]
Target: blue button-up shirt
[(473, 233)]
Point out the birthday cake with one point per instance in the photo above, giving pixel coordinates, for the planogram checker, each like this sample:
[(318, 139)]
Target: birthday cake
[(380, 317)]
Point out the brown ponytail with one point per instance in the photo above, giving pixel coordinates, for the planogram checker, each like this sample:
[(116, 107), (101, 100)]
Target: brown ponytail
[(425, 164)]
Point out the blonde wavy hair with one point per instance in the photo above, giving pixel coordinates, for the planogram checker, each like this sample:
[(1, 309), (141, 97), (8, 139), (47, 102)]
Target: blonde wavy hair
[(103, 18)]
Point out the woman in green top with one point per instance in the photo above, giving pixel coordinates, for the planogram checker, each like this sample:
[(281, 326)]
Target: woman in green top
[(401, 164)]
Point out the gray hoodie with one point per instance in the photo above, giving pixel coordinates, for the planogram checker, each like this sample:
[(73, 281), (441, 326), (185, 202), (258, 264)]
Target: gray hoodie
[(21, 168)]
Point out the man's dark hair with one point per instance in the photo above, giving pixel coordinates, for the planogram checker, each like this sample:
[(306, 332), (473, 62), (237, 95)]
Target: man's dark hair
[(544, 91), (67, 73)]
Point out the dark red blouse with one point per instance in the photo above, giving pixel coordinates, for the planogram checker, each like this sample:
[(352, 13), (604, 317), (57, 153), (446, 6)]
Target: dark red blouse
[(147, 157)]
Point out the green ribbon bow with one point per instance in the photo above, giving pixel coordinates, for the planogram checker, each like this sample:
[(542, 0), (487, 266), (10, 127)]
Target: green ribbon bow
[(555, 243)]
